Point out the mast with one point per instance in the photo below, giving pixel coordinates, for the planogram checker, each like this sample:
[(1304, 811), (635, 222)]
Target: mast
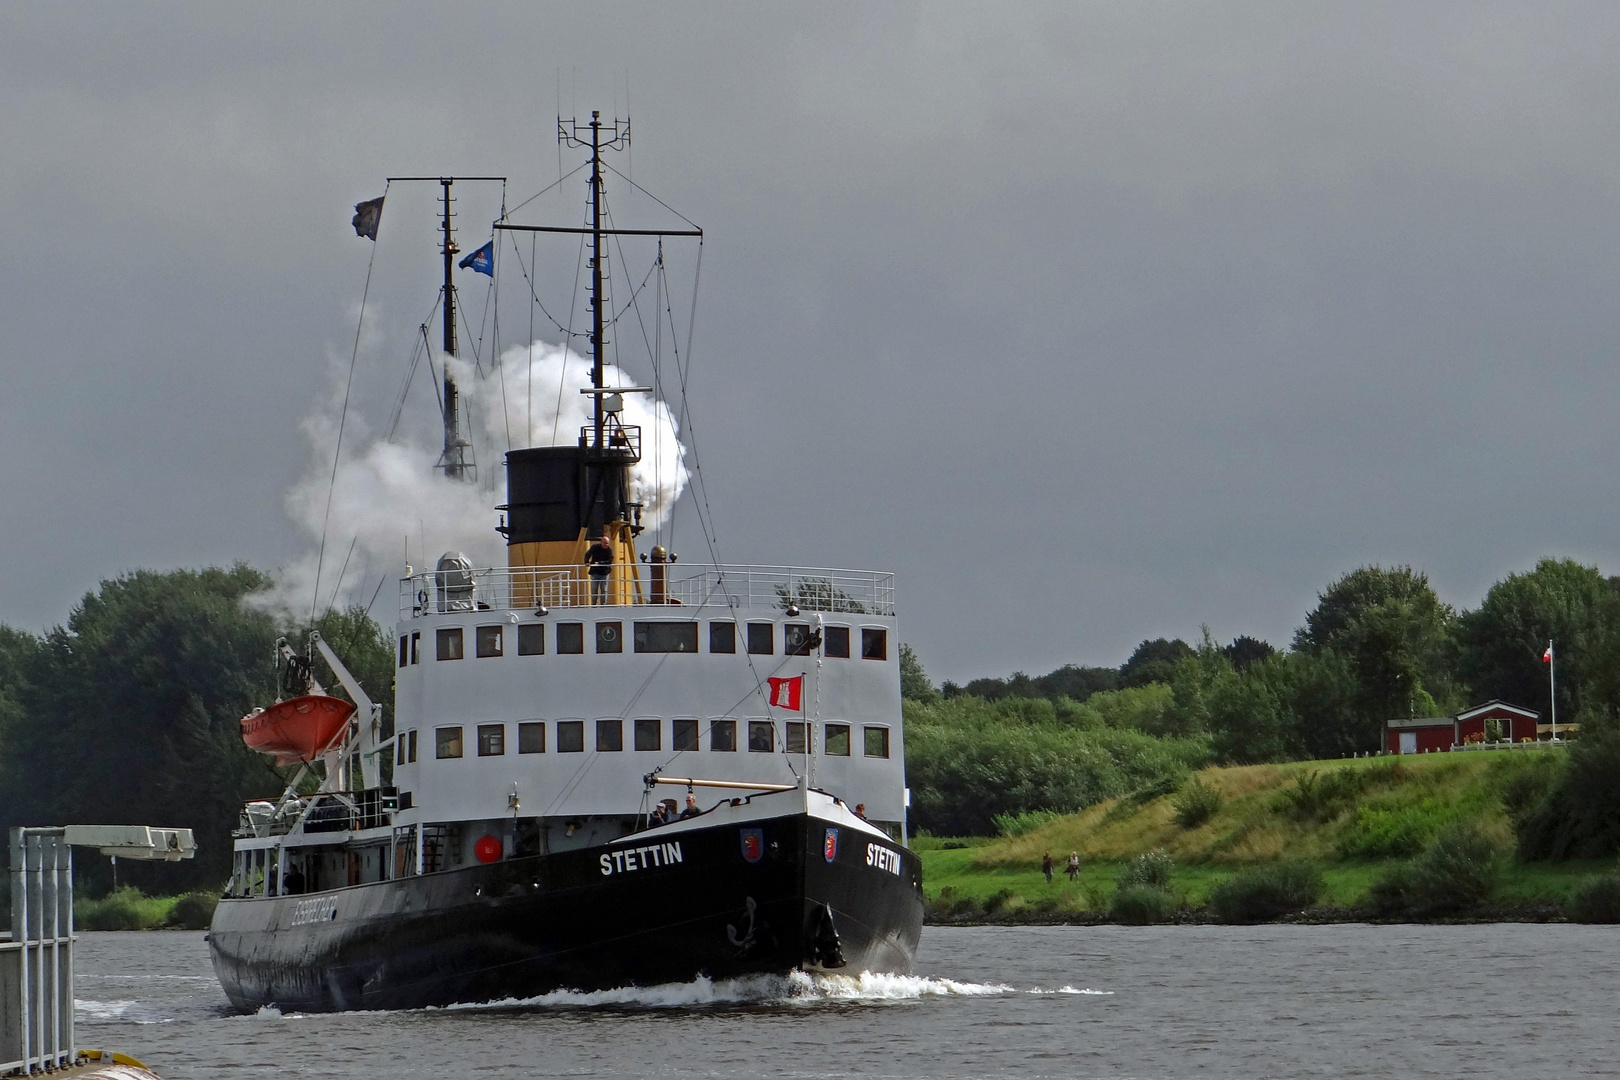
[(597, 344), (454, 458)]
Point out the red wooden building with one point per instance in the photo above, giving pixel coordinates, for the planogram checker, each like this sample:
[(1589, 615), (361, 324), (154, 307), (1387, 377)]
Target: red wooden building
[(1429, 734)]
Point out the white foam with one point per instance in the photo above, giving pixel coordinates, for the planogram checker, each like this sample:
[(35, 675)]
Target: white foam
[(130, 1012), (796, 988)]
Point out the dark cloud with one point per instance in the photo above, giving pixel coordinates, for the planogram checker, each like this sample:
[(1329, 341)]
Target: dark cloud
[(1095, 323)]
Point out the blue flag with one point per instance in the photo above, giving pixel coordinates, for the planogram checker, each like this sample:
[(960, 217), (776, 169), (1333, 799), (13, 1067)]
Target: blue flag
[(482, 261)]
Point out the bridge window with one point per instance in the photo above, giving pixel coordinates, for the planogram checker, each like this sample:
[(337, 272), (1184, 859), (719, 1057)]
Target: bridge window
[(684, 734), (837, 740), (761, 638), (877, 742), (874, 643), (416, 646), (663, 637), (487, 641), (404, 649), (723, 637), (835, 641), (796, 742), (491, 740), (532, 639), (796, 639), (410, 754), (570, 637), (532, 737), (447, 741), (609, 637), (451, 646), (761, 736), (570, 736), (649, 734), (723, 735), (609, 736), (399, 748)]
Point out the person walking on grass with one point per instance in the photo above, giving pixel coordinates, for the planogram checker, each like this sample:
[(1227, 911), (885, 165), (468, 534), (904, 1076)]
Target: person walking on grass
[(1046, 866), (1073, 869)]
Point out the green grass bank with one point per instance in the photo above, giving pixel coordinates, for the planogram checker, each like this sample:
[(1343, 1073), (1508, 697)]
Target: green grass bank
[(1353, 823)]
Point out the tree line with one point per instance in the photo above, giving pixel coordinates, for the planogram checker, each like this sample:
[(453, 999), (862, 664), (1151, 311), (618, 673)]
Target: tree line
[(1378, 645), (128, 714)]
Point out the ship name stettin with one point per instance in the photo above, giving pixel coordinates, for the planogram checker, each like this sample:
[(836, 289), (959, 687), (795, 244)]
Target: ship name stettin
[(883, 858), (640, 858)]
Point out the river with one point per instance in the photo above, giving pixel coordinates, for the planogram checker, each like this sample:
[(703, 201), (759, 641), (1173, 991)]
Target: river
[(1510, 1000)]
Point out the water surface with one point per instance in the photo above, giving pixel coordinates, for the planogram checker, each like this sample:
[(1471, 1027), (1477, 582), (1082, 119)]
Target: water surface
[(1116, 1002)]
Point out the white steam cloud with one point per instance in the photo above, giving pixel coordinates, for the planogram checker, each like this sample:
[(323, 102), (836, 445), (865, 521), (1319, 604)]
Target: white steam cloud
[(391, 504)]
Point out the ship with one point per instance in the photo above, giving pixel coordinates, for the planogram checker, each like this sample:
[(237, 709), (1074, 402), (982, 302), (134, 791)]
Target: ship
[(604, 768)]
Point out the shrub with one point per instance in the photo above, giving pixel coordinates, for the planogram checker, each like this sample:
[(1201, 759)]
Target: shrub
[(1596, 900), (1580, 816), (1141, 905), (1316, 796), (1266, 892), (1454, 873), (193, 911), (1383, 832), (1150, 870), (1195, 804), (1026, 822), (118, 910)]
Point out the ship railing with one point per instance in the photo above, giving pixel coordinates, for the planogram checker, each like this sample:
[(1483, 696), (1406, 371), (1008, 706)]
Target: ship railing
[(519, 588)]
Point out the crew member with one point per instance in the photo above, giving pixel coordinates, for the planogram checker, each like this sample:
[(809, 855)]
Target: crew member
[(691, 806), (599, 558)]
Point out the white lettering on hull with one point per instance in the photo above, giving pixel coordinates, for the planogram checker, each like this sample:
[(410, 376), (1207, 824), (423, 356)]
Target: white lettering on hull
[(626, 860), (314, 910), (883, 858)]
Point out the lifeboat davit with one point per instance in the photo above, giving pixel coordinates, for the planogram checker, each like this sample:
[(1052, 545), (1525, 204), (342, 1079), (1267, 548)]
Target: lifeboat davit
[(299, 729)]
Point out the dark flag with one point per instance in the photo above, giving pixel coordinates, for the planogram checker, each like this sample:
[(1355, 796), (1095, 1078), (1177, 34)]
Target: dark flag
[(366, 216), (481, 261)]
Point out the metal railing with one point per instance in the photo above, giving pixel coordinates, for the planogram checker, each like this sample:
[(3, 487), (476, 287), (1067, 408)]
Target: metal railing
[(518, 588), (36, 964)]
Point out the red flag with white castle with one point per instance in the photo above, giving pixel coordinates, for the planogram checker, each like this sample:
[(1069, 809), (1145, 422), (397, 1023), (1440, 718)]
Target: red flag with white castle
[(786, 693), (1546, 657)]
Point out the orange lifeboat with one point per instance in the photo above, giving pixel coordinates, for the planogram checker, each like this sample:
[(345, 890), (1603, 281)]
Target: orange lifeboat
[(298, 729)]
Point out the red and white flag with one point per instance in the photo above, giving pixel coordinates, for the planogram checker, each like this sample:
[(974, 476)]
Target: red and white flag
[(787, 693), (1546, 657)]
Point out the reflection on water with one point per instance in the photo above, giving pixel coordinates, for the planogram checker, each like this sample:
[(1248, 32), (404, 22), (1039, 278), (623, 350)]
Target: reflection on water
[(1343, 1001)]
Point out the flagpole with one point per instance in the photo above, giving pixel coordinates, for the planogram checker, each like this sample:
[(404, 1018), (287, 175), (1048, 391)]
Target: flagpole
[(1552, 687)]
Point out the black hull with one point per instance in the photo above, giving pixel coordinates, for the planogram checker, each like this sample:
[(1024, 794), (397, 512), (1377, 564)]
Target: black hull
[(523, 927)]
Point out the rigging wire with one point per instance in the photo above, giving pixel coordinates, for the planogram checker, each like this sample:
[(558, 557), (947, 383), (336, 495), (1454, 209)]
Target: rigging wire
[(337, 449)]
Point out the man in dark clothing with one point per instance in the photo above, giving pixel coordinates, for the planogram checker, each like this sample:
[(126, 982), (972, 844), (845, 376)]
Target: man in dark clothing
[(1046, 866), (599, 558)]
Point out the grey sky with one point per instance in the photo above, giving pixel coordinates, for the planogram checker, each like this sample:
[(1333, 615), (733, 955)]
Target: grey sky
[(1094, 323)]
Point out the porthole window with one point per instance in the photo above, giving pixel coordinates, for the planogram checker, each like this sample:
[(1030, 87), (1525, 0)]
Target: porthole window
[(447, 742), (684, 734), (532, 639), (491, 740), (837, 740), (761, 736), (835, 641), (761, 638), (722, 637), (649, 734), (874, 643), (487, 641), (723, 736), (877, 742), (570, 637), (796, 639), (450, 644), (609, 736), (795, 740), (532, 737), (570, 736), (609, 637)]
